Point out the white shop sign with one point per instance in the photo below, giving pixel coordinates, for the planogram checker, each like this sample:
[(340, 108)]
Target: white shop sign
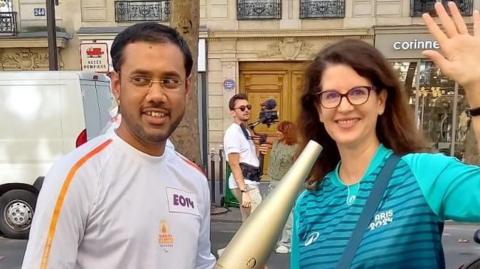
[(94, 57)]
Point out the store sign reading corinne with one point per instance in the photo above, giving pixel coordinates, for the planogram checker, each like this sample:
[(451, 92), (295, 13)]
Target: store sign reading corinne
[(94, 57), (405, 45), (415, 45)]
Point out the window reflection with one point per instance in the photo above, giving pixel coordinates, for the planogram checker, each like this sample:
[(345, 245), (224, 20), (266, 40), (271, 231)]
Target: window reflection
[(434, 105)]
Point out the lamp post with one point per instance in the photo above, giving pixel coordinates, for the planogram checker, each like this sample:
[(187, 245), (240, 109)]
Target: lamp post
[(52, 35)]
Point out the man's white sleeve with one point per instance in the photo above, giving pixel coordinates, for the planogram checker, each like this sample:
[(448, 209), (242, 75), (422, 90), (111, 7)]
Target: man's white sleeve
[(205, 258), (231, 141), (60, 218)]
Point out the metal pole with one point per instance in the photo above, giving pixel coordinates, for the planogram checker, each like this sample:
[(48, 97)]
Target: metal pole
[(454, 121), (204, 116), (52, 35), (422, 113), (212, 175), (222, 171), (417, 97)]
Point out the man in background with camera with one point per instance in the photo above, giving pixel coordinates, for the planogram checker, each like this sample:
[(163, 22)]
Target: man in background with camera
[(239, 144)]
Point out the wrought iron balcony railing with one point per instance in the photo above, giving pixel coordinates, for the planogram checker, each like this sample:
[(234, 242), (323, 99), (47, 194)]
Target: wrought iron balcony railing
[(149, 10), (322, 9), (8, 23), (259, 9), (418, 7)]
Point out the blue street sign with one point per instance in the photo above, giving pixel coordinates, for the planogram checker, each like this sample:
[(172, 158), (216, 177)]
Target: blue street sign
[(229, 84)]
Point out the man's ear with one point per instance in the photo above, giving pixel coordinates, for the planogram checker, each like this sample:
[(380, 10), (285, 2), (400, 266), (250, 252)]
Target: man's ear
[(188, 85), (115, 83)]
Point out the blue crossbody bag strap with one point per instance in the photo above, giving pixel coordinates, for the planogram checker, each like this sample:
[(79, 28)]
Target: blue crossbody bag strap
[(368, 211)]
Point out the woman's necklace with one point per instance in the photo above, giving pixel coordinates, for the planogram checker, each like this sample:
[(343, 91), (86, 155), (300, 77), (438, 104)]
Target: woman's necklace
[(352, 192)]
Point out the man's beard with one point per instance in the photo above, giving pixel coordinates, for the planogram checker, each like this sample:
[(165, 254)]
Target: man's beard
[(139, 131), (157, 137)]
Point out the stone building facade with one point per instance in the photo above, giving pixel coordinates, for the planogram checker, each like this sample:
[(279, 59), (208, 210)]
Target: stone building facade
[(259, 47)]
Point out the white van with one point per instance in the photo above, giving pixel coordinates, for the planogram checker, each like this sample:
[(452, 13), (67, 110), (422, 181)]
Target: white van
[(43, 115)]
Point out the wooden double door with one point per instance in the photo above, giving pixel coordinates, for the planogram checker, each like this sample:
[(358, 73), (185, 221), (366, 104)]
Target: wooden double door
[(281, 81)]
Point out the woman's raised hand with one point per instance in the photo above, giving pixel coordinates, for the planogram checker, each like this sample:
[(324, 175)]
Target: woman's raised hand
[(460, 57)]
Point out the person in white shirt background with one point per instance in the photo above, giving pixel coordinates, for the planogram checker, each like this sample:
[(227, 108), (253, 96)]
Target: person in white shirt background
[(239, 144)]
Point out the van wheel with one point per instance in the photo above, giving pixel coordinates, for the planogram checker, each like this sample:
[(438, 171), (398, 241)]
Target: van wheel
[(16, 209)]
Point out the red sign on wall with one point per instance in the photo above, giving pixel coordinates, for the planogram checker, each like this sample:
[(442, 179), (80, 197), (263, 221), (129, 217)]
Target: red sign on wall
[(94, 57)]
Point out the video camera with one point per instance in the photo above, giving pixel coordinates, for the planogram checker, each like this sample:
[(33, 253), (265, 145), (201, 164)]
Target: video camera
[(268, 115)]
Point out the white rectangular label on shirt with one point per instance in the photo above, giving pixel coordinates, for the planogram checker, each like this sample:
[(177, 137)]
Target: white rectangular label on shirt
[(182, 202)]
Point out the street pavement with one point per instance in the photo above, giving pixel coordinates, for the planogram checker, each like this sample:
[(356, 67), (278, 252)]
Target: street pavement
[(458, 244), (457, 240), (11, 253), (223, 228)]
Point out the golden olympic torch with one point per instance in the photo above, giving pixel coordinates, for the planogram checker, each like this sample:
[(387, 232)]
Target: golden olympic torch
[(252, 244)]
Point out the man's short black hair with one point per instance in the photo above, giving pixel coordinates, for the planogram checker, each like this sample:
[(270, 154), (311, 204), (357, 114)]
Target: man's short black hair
[(149, 32), (238, 96)]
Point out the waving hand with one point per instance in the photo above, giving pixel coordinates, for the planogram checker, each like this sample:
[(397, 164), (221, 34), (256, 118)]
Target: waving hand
[(460, 58)]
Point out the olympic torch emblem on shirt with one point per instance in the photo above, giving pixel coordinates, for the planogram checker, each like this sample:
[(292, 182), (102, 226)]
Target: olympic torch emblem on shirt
[(165, 238)]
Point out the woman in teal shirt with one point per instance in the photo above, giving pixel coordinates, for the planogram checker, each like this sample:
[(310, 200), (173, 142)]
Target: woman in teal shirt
[(353, 105)]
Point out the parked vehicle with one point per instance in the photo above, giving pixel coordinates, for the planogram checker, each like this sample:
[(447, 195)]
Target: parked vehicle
[(44, 115), (475, 264)]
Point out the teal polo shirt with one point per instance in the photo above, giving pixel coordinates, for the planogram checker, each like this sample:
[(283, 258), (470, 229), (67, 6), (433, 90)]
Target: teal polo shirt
[(424, 190)]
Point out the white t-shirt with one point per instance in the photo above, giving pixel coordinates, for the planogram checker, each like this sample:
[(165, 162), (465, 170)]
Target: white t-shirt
[(121, 208), (235, 141)]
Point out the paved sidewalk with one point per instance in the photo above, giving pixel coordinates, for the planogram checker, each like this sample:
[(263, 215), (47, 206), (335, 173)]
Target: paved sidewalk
[(223, 228), (232, 215)]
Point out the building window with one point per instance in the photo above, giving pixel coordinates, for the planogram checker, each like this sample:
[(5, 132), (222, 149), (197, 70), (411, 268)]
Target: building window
[(6, 6), (432, 96), (259, 9), (322, 9), (130, 11), (8, 23), (418, 7), (8, 18)]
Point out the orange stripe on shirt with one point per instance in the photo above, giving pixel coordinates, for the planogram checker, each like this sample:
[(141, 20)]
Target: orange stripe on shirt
[(61, 198), (192, 164)]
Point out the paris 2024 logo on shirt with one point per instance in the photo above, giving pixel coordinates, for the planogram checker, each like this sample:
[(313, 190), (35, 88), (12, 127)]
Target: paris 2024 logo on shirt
[(165, 238), (381, 219)]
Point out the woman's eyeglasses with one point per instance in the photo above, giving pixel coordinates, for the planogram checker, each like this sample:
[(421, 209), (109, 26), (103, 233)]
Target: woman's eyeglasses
[(242, 108), (355, 96)]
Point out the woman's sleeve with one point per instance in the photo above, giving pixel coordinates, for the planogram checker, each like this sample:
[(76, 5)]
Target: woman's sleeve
[(451, 188)]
